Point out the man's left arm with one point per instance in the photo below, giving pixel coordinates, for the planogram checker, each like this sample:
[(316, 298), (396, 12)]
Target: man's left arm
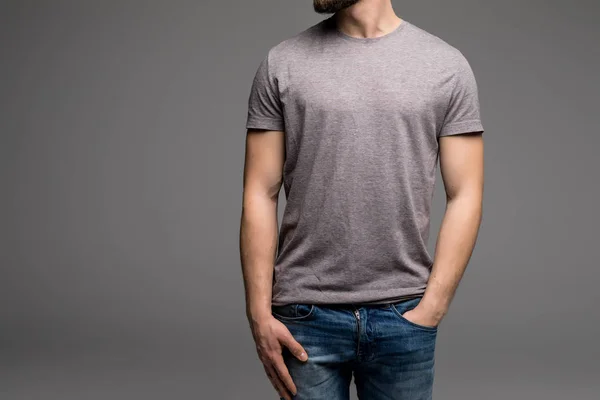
[(461, 167), (460, 141)]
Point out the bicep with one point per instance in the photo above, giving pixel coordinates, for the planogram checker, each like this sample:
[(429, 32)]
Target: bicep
[(461, 164), (263, 167)]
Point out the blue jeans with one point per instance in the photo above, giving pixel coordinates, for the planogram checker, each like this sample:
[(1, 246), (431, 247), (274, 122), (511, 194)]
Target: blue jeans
[(391, 357)]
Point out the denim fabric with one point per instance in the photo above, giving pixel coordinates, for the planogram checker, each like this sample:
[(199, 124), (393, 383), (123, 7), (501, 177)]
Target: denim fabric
[(390, 357)]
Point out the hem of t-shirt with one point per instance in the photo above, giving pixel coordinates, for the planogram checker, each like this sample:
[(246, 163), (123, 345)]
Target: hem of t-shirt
[(379, 297), (272, 124), (455, 128)]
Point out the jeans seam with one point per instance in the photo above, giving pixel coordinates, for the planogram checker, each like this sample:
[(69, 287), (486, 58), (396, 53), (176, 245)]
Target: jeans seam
[(312, 308)]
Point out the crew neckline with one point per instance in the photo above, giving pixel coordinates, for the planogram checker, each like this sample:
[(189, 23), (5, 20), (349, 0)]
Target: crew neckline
[(333, 26)]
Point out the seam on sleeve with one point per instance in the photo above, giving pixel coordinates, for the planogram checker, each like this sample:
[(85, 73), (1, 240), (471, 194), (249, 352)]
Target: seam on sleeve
[(274, 124), (457, 127)]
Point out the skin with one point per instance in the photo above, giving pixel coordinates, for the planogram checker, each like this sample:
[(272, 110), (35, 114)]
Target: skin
[(461, 167), (462, 170), (265, 154)]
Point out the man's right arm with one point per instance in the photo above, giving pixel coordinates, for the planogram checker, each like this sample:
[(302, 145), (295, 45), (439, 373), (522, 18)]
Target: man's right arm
[(263, 169), (259, 229)]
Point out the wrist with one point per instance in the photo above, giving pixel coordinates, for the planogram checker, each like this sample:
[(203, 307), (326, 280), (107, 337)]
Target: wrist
[(259, 312), (433, 306)]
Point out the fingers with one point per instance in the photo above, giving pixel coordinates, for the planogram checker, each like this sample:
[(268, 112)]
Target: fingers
[(284, 374), (294, 347), (276, 381), (270, 346)]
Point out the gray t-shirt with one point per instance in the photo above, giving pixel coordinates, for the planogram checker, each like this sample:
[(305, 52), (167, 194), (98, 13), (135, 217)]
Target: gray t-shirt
[(362, 118)]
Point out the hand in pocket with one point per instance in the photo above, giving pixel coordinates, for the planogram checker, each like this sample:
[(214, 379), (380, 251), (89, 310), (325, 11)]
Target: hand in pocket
[(418, 316)]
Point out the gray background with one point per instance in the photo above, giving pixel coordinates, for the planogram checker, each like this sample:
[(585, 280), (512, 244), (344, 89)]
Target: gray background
[(121, 155)]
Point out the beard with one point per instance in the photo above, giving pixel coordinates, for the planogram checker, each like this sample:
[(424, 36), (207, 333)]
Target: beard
[(332, 6)]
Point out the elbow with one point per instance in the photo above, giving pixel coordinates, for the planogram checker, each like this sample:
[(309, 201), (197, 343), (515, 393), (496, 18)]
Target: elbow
[(466, 197)]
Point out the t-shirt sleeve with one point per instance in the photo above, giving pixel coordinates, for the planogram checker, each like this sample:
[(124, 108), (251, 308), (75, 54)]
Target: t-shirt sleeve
[(264, 105), (463, 113)]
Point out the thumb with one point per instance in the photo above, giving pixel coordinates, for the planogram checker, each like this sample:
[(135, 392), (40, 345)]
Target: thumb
[(295, 348)]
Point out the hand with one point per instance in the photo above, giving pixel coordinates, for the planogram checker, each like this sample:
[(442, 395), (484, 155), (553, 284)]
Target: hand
[(269, 335), (420, 316)]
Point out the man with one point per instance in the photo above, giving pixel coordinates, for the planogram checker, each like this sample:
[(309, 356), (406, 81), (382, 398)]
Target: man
[(351, 116)]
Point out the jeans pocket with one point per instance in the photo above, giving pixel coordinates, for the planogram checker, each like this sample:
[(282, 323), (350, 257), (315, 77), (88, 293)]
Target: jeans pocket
[(292, 311), (403, 306)]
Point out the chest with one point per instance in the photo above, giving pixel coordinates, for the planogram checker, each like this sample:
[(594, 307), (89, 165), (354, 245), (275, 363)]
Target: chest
[(402, 89)]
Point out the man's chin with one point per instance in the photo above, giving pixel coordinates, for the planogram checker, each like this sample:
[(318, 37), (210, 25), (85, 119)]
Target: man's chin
[(332, 6)]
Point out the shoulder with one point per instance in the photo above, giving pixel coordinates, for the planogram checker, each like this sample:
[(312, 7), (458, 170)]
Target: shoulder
[(295, 46), (437, 50)]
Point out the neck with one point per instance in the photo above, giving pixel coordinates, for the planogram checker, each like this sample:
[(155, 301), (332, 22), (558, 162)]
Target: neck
[(368, 19)]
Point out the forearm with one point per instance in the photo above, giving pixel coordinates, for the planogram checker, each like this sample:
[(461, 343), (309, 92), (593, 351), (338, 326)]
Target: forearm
[(258, 245), (456, 240)]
